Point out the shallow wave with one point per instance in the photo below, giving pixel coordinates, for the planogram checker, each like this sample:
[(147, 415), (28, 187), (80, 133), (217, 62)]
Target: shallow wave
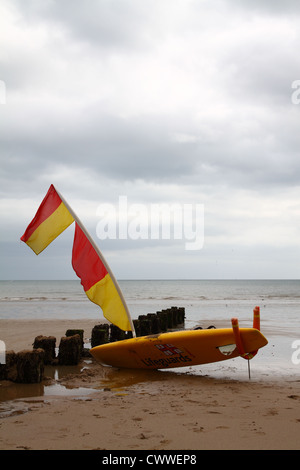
[(281, 296), (39, 299)]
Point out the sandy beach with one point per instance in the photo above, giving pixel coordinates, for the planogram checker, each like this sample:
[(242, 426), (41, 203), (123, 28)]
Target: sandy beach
[(94, 407)]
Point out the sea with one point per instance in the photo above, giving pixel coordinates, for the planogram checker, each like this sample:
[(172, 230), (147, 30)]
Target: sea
[(206, 303)]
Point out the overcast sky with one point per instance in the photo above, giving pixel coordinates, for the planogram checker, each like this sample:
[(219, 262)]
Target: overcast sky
[(160, 101)]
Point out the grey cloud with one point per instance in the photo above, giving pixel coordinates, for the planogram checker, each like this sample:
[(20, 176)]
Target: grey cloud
[(121, 149), (268, 6), (113, 24), (128, 150)]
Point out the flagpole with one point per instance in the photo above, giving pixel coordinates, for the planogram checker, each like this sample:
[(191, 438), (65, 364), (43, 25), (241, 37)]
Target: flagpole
[(88, 236)]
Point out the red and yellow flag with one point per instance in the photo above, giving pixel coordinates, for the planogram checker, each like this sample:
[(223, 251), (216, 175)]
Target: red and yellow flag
[(51, 219), (96, 280)]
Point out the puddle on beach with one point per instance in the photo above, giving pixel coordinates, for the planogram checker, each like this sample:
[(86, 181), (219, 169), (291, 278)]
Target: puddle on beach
[(17, 398), (12, 391)]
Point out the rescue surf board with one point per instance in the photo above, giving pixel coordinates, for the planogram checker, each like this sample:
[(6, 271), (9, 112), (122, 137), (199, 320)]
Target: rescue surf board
[(178, 348)]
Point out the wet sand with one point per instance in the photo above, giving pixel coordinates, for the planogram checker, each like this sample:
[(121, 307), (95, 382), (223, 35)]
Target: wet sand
[(93, 407)]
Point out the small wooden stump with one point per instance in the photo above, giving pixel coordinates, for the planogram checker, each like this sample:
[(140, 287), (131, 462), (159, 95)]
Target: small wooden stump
[(69, 350), (30, 366), (181, 315), (155, 323), (145, 325), (116, 334), (100, 335), (47, 343), (163, 320), (76, 332), (8, 371), (137, 327)]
